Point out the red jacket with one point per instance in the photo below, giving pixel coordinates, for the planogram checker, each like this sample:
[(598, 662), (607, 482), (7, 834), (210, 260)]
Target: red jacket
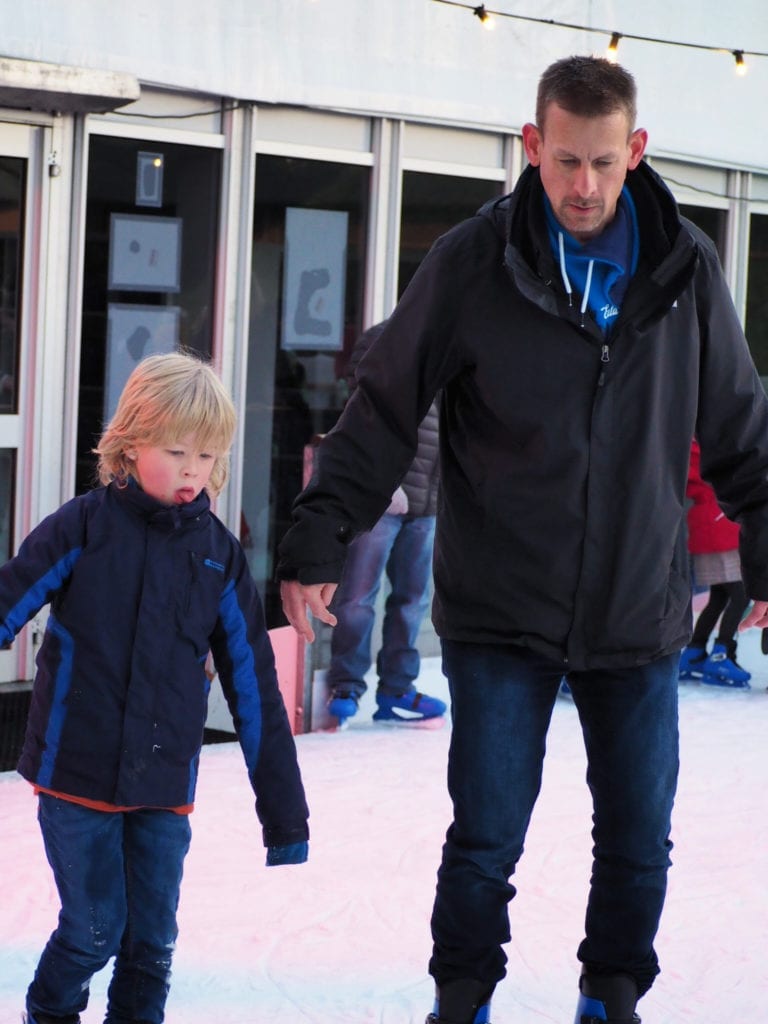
[(708, 528)]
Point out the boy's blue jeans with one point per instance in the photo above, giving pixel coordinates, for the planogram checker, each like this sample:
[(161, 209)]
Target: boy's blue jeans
[(502, 699), (403, 546), (118, 875)]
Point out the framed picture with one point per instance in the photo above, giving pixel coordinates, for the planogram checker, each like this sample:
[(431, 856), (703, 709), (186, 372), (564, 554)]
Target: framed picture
[(144, 253), (134, 332), (314, 278)]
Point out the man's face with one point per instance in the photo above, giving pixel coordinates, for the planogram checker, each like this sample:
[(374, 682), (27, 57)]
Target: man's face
[(583, 162)]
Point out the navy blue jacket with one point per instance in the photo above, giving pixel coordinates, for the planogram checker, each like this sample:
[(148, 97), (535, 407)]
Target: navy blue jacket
[(564, 452), (139, 593)]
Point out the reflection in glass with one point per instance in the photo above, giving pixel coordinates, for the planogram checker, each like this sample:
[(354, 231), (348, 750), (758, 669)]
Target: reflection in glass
[(757, 293), (12, 182), (7, 476), (296, 391)]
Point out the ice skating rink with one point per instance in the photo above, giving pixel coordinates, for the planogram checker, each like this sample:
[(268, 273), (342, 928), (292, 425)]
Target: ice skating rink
[(344, 939)]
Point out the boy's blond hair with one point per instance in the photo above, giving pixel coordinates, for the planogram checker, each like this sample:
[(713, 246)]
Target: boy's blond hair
[(166, 398)]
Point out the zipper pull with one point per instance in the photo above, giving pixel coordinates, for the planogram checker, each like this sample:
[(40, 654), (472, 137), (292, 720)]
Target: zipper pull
[(605, 354)]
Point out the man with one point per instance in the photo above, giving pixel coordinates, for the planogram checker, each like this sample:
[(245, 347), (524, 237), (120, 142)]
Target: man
[(400, 544), (580, 332)]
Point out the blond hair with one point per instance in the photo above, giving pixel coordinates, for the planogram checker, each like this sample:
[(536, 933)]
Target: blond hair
[(166, 398)]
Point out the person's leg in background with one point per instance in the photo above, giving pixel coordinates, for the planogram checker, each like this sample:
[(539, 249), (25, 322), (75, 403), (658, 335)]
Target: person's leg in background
[(355, 608), (409, 570), (721, 667)]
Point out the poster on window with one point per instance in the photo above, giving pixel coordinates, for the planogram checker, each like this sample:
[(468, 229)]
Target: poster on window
[(144, 253), (314, 278), (134, 332)]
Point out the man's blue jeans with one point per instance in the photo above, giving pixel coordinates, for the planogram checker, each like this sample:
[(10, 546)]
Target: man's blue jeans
[(502, 700), (118, 875), (401, 545)]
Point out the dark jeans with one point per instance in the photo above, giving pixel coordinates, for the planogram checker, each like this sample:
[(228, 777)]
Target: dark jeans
[(118, 877), (403, 546), (502, 699)]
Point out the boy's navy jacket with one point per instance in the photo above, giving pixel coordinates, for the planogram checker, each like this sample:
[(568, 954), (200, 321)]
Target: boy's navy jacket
[(563, 451), (139, 593)]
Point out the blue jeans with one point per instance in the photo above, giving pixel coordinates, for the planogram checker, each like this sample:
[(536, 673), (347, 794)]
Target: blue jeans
[(401, 545), (118, 877), (502, 699)]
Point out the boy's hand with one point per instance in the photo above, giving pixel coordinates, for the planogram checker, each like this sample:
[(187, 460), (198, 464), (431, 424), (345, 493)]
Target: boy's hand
[(758, 616), (297, 597)]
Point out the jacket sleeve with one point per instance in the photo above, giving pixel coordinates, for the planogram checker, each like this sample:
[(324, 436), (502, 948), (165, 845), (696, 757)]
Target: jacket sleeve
[(364, 457), (244, 659), (732, 424), (43, 564)]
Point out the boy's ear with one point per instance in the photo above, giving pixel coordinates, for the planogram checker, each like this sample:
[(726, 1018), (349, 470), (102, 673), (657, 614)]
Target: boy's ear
[(131, 454)]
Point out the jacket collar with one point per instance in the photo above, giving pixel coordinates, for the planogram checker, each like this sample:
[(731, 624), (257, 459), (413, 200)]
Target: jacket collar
[(138, 501)]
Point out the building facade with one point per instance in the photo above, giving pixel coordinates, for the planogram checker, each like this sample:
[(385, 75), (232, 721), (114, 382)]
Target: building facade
[(257, 182)]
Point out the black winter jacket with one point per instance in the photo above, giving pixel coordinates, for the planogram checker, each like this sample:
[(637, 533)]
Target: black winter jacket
[(564, 454), (422, 478), (139, 592)]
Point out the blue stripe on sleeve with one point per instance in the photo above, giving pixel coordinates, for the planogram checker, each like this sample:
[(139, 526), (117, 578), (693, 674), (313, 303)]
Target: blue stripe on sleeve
[(58, 708), (244, 676), (37, 595)]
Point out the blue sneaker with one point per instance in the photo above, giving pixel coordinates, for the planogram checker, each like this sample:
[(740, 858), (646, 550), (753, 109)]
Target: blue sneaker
[(464, 1001), (720, 669), (601, 995), (692, 663), (418, 707), (343, 705)]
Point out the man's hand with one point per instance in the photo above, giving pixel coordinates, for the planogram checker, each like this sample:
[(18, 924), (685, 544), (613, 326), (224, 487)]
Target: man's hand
[(758, 616), (297, 598)]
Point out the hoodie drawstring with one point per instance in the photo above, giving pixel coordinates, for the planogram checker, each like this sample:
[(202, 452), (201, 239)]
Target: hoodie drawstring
[(566, 279)]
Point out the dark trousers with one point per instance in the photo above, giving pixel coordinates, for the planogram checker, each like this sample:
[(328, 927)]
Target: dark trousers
[(502, 699), (118, 877)]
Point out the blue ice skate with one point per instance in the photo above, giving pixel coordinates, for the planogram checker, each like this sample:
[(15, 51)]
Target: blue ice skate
[(721, 669), (464, 1001), (417, 707), (692, 663), (599, 996), (343, 705)]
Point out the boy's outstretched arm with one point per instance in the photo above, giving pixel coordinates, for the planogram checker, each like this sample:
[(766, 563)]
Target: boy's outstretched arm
[(298, 597)]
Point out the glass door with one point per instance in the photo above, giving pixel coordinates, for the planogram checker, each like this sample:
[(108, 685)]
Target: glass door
[(15, 151)]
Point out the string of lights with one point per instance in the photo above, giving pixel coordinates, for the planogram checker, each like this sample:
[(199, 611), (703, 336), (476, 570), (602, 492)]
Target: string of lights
[(486, 17)]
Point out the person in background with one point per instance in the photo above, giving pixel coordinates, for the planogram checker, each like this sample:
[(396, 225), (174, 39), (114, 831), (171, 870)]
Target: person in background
[(143, 580), (400, 544), (713, 541), (579, 332)]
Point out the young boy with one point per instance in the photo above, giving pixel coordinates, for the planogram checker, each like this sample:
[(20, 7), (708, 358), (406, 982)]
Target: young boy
[(143, 580)]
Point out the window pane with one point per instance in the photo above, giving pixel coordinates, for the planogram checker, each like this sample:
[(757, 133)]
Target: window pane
[(309, 234), (433, 203), (150, 249), (712, 222), (757, 293), (12, 180)]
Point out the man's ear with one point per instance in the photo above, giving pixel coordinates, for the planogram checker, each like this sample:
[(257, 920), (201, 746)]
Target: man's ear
[(532, 144), (638, 140)]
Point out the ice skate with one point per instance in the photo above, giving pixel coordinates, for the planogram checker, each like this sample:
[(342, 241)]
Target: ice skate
[(343, 705), (692, 663), (721, 669), (407, 707), (464, 1001), (606, 999)]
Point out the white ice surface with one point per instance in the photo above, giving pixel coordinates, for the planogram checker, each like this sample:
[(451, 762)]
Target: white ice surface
[(344, 939)]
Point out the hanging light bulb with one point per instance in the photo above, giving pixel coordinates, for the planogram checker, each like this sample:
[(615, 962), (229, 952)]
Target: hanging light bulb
[(741, 67), (613, 46), (485, 19)]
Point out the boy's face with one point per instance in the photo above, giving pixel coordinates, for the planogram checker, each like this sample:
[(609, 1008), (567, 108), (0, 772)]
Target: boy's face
[(172, 473)]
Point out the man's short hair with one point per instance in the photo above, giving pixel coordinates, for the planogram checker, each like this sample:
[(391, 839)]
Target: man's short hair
[(587, 87)]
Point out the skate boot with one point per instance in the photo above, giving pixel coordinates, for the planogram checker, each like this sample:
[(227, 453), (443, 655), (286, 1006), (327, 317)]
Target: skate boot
[(417, 707), (606, 999), (465, 1001), (721, 669), (692, 663), (343, 705)]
